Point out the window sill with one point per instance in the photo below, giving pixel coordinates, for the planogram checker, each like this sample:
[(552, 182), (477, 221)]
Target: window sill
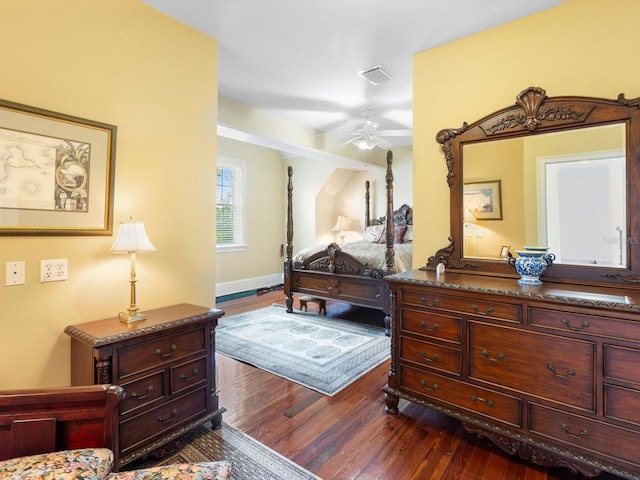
[(230, 248)]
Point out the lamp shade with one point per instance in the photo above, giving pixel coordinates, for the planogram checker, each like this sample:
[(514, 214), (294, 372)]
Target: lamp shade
[(341, 224), (469, 217), (132, 238)]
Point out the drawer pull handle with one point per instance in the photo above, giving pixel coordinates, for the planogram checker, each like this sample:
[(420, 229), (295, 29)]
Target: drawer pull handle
[(423, 300), (582, 326), (160, 354), (499, 357), (489, 403), (570, 372), (161, 419), (476, 310), (432, 358), (144, 395), (432, 329), (583, 433), (425, 386), (184, 378)]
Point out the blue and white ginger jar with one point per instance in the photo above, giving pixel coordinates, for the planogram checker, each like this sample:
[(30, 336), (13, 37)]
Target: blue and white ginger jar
[(531, 263)]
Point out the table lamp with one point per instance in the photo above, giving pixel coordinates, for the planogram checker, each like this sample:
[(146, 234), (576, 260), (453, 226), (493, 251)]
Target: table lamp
[(341, 225), (132, 239)]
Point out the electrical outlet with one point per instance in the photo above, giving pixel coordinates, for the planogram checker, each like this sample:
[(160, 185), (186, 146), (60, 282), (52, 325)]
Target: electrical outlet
[(14, 273), (53, 270)]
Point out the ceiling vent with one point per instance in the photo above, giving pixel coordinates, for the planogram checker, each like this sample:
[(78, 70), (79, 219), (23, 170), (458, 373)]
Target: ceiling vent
[(376, 75)]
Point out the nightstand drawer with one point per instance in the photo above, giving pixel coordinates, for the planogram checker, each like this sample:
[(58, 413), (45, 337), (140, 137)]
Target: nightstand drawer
[(186, 375), (432, 356), (145, 355), (432, 325), (142, 392), (487, 403), (151, 423)]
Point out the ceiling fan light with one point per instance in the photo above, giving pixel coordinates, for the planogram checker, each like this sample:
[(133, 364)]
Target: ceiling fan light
[(376, 75), (366, 144)]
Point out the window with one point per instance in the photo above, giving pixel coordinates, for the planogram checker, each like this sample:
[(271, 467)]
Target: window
[(230, 204)]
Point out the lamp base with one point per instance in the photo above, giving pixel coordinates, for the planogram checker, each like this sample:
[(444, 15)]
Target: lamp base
[(131, 317)]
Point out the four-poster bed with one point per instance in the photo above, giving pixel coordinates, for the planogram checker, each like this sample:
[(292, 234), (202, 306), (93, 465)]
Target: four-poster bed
[(332, 273)]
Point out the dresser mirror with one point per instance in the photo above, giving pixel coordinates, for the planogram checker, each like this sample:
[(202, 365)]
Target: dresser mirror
[(556, 172)]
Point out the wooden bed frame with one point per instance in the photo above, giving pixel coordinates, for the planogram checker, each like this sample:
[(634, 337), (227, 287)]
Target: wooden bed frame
[(335, 275)]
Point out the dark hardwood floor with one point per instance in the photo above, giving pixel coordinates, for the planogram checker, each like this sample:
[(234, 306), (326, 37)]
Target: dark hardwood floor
[(348, 436)]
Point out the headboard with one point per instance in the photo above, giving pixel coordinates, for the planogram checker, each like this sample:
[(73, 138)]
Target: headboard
[(401, 216)]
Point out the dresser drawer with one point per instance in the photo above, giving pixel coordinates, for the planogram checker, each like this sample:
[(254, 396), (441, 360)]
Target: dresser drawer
[(431, 325), (621, 363), (502, 311), (188, 374), (622, 404), (482, 401), (544, 365), (144, 427), (585, 433), (142, 392), (144, 355), (587, 324), (431, 356)]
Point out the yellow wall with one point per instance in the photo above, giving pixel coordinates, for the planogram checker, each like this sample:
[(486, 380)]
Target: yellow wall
[(123, 63), (490, 161), (578, 48), (265, 216)]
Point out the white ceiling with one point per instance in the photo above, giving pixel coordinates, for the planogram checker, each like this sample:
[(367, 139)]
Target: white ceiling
[(300, 59)]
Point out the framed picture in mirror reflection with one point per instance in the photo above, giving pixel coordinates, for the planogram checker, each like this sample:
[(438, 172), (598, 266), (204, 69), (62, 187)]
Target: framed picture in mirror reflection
[(483, 200)]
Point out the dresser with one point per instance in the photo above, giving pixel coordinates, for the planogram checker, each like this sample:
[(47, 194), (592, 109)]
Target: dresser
[(166, 366), (550, 373)]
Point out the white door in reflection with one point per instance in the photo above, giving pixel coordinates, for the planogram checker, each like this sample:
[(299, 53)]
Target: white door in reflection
[(585, 220)]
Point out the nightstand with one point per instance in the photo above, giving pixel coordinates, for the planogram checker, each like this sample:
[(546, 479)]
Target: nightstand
[(166, 365)]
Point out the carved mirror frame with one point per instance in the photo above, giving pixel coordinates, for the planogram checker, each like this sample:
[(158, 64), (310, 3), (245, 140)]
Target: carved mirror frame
[(533, 114)]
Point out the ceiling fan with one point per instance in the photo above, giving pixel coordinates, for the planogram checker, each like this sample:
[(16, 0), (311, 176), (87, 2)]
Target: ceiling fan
[(366, 135)]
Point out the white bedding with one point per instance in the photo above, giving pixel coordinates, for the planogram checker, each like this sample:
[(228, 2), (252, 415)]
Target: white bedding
[(370, 254)]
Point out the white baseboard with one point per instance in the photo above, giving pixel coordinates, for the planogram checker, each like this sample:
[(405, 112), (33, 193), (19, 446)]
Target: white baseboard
[(244, 285)]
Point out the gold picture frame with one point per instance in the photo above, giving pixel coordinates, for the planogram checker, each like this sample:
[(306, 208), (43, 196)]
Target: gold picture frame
[(57, 173)]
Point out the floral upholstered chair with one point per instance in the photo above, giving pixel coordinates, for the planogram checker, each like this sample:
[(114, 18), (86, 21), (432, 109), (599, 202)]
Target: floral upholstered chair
[(71, 433), (96, 464)]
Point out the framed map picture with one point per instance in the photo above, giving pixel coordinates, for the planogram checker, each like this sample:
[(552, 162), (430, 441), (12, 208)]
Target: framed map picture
[(56, 173), (483, 200)]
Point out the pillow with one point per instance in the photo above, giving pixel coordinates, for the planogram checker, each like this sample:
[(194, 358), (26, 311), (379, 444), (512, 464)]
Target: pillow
[(192, 471), (84, 463), (408, 236), (398, 234), (374, 233)]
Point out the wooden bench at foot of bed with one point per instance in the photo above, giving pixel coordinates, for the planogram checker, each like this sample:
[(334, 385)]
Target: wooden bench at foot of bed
[(305, 299)]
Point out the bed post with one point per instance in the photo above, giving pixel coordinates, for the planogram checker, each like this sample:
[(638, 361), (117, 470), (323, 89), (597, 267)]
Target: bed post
[(389, 254), (289, 246), (367, 209)]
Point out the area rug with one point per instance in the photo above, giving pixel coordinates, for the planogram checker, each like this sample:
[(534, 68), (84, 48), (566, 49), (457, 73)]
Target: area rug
[(321, 353), (250, 459)]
